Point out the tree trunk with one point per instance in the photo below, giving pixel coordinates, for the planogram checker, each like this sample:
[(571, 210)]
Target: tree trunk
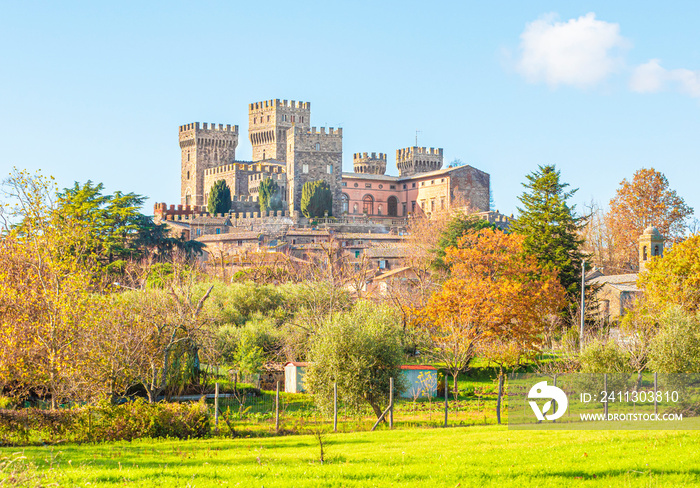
[(498, 399), (455, 387)]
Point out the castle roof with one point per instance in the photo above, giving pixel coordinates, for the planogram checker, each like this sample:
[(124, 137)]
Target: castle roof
[(438, 172)]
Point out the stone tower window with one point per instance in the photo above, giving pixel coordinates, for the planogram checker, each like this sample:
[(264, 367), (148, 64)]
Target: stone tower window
[(188, 156), (644, 253), (318, 146), (329, 169), (188, 173), (305, 168), (656, 250)]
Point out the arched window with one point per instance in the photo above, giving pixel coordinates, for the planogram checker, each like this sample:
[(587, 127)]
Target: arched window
[(656, 250), (188, 198), (318, 146), (392, 204), (368, 205), (644, 253), (263, 155), (345, 201)]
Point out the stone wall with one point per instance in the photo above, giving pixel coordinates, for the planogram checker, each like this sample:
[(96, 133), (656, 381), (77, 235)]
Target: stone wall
[(471, 186)]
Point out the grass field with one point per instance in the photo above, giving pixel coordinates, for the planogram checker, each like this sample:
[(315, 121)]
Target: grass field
[(487, 456)]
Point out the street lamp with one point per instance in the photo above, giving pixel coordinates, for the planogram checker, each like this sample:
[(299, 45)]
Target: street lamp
[(583, 303)]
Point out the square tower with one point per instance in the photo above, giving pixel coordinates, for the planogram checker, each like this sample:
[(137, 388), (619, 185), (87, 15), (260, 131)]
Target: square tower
[(268, 122), (202, 148), (314, 155)]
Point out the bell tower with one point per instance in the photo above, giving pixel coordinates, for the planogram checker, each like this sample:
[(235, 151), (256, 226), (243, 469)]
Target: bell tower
[(651, 244)]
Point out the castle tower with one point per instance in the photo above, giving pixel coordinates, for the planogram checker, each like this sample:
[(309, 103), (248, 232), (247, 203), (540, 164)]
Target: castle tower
[(314, 155), (268, 122), (651, 244), (369, 164), (203, 148), (412, 160)]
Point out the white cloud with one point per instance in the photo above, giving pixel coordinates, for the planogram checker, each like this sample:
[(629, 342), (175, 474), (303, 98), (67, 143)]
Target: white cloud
[(580, 52), (651, 77)]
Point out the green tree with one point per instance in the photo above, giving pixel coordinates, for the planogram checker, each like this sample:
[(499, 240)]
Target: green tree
[(550, 226), (219, 198), (316, 199), (456, 228), (676, 347), (269, 192), (360, 350)]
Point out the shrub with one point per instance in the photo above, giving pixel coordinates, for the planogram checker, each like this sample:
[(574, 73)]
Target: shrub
[(105, 422), (676, 347), (604, 357)]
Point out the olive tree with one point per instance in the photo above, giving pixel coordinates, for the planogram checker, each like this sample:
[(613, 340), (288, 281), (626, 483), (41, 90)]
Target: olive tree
[(359, 350)]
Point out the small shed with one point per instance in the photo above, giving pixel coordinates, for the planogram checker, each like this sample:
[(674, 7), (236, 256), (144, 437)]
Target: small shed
[(294, 377), (421, 381)]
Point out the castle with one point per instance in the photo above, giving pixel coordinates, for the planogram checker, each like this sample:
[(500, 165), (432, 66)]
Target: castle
[(287, 149)]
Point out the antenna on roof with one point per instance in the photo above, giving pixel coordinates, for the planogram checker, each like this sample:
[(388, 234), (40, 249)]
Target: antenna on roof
[(417, 131)]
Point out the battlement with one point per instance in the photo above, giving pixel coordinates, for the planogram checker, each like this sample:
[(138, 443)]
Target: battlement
[(357, 156), (321, 131), (267, 104), (227, 168), (162, 211), (207, 126), (407, 152)]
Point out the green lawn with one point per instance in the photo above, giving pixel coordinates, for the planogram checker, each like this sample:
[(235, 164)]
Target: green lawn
[(486, 456)]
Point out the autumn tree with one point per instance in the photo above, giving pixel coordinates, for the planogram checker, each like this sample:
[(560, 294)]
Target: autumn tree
[(550, 226), (455, 228), (47, 274), (496, 289), (646, 200), (674, 279)]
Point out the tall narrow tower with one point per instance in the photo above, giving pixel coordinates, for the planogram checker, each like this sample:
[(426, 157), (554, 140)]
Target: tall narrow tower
[(203, 148), (268, 122), (651, 244)]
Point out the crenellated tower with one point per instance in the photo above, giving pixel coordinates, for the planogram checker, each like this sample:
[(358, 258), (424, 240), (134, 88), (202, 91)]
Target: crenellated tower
[(268, 122), (202, 148), (413, 160), (372, 164), (314, 155)]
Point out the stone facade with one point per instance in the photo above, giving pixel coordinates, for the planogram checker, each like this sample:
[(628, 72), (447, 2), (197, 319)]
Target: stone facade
[(287, 149), (314, 155), (268, 122), (204, 147)]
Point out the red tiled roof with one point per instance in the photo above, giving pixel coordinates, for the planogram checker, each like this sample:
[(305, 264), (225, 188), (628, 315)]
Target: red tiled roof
[(417, 366)]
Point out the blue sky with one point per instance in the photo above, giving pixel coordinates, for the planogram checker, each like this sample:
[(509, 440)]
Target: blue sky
[(97, 90)]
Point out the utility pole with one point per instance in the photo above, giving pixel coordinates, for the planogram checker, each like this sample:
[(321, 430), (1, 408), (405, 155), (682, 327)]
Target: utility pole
[(583, 303)]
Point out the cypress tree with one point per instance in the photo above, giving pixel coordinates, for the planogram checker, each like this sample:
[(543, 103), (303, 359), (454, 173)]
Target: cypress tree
[(550, 226), (316, 199), (268, 192), (219, 198)]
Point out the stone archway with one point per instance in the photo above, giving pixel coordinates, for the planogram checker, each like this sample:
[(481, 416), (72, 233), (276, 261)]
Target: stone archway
[(392, 206)]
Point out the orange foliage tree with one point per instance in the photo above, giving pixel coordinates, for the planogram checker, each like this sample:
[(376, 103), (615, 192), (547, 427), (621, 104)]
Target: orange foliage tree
[(496, 290), (644, 201)]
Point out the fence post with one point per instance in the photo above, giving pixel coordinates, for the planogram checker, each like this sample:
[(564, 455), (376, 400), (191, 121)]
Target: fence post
[(216, 408), (446, 397), (277, 409), (605, 388), (391, 403), (656, 385), (335, 407)]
